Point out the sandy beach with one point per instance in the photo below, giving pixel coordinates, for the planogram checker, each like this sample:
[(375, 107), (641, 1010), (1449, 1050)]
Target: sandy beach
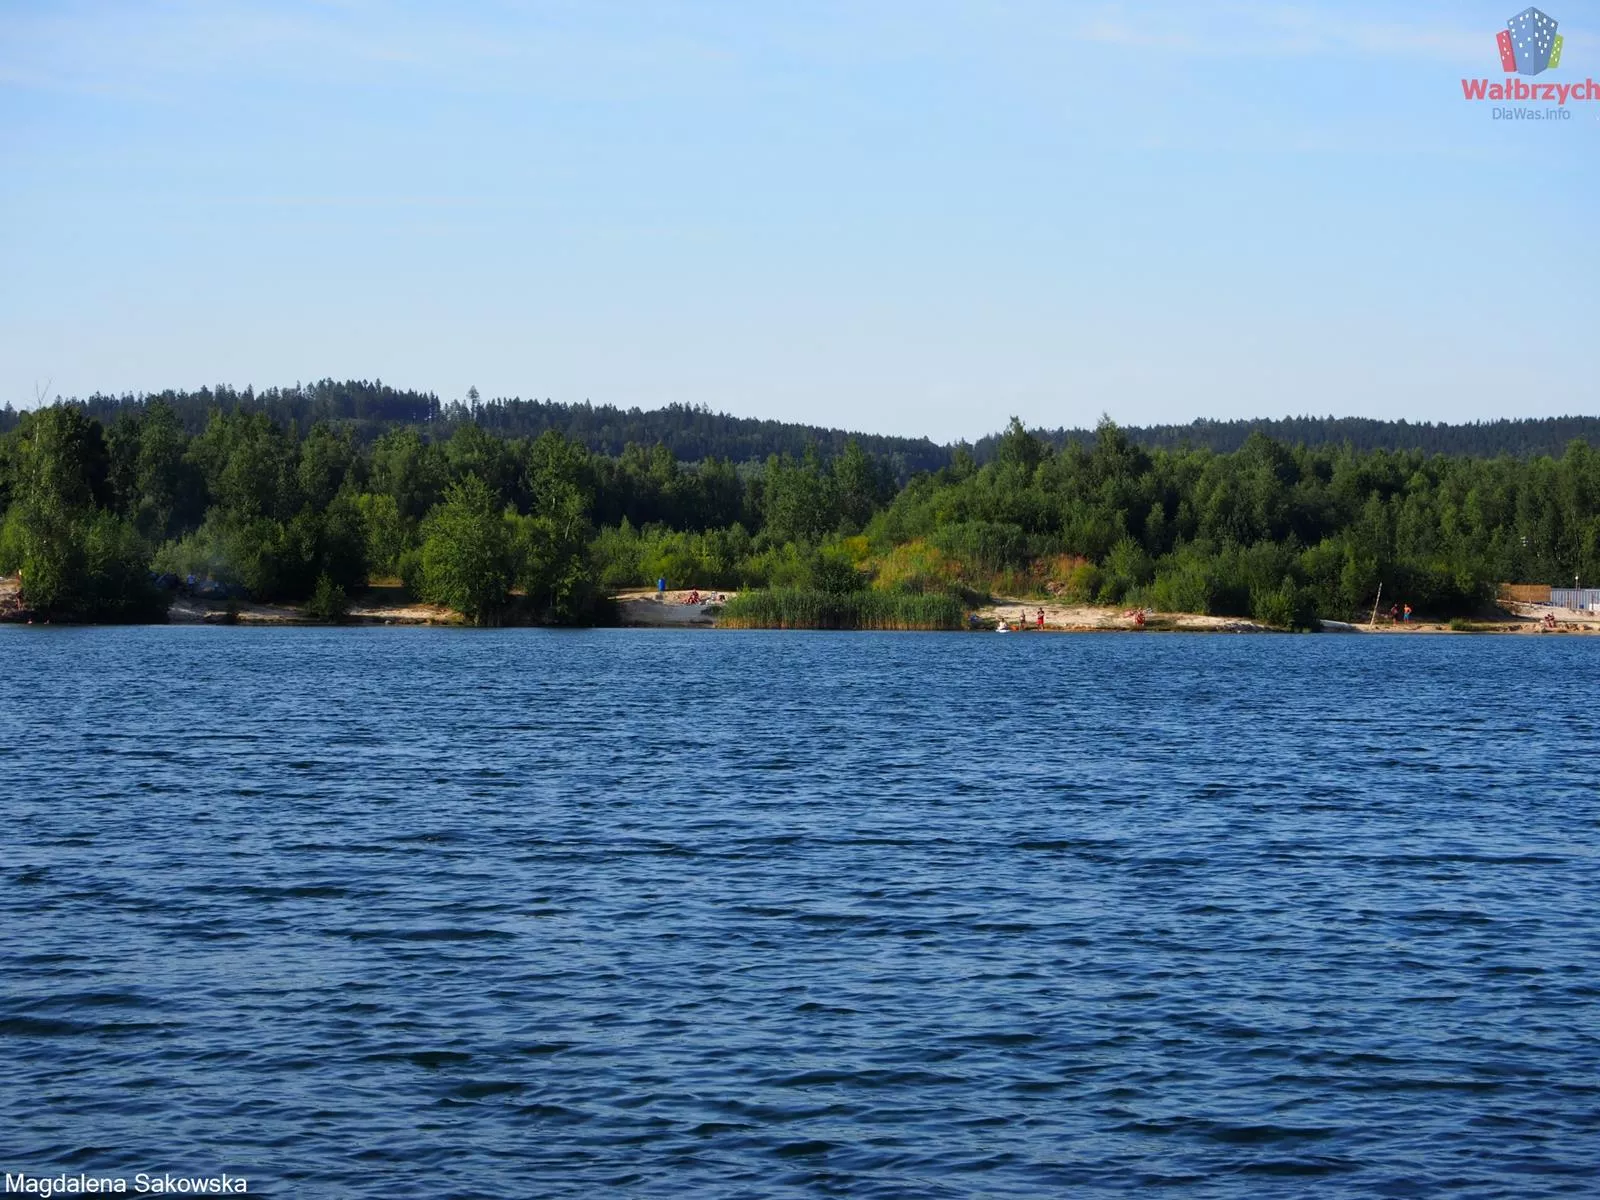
[(1093, 618), (189, 610), (647, 608), (1514, 618)]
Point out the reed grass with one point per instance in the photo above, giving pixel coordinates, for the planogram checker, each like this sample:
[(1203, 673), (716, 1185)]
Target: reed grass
[(798, 608)]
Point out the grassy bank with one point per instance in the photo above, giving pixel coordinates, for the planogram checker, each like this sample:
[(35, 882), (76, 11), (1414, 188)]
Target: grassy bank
[(796, 608)]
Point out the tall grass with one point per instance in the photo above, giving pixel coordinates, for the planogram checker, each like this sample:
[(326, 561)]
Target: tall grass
[(796, 608)]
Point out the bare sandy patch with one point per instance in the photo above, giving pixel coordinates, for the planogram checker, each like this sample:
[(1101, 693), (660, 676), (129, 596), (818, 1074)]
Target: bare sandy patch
[(645, 607), (1090, 618)]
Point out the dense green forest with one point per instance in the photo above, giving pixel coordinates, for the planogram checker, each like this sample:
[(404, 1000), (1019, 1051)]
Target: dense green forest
[(93, 514), (1521, 438), (694, 433), (368, 410)]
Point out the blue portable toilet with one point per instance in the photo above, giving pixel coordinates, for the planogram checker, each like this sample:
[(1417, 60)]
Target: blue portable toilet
[(661, 585)]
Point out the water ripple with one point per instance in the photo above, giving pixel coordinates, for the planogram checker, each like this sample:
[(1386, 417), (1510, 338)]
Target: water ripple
[(418, 912)]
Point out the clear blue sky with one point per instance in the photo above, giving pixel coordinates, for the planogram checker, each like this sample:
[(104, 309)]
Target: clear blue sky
[(913, 217)]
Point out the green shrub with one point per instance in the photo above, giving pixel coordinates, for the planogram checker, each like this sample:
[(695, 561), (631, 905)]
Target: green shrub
[(388, 535), (409, 567), (1285, 606), (916, 567), (1082, 584), (1184, 585), (625, 557), (328, 601), (1126, 568), (782, 566), (984, 546), (200, 554), (273, 560), (618, 555), (833, 572)]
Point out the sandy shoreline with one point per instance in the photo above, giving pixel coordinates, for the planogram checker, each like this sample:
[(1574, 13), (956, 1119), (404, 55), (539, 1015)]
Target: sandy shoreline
[(644, 608), (186, 610), (1089, 618), (376, 606), (1023, 616)]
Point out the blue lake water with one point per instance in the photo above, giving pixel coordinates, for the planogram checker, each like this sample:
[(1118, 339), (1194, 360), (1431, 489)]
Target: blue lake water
[(424, 912)]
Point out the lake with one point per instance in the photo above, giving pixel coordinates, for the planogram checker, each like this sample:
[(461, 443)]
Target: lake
[(431, 912)]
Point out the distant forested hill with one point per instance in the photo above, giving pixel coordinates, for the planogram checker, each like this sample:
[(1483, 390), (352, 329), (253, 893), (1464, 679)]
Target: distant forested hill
[(1524, 438), (692, 433), (695, 433), (370, 408)]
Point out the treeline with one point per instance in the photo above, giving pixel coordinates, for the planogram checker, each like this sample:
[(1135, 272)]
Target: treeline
[(368, 409), (541, 527), (692, 433), (1284, 534), (96, 517), (1520, 438)]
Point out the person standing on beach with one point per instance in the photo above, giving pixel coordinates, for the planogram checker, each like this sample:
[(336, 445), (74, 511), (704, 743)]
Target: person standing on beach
[(1408, 612), (1041, 618)]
